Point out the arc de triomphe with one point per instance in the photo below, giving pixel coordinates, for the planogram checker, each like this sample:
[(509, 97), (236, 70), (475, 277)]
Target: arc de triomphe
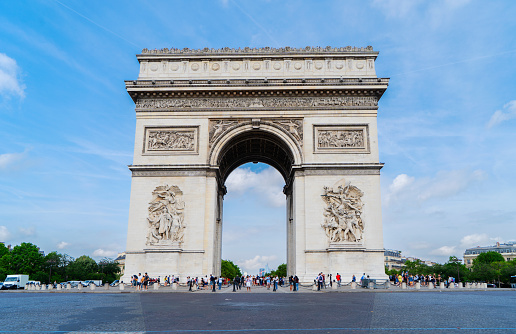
[(311, 113)]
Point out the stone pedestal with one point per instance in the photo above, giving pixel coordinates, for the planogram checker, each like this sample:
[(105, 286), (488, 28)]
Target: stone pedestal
[(106, 286), (314, 287), (334, 286), (403, 285), (353, 285), (430, 285), (451, 285), (68, 286), (58, 287), (121, 287), (92, 286), (155, 286), (174, 286), (418, 286), (460, 285), (79, 286), (441, 286), (50, 287), (43, 286)]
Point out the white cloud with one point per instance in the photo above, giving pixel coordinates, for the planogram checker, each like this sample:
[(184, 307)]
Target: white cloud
[(473, 240), (10, 83), (445, 184), (27, 231), (256, 262), (449, 183), (267, 184), (508, 112), (5, 235), (9, 159), (103, 253), (445, 251), (63, 245), (400, 183)]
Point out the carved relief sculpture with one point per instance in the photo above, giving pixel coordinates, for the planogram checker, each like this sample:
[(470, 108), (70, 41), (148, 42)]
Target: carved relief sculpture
[(166, 216), (217, 128), (170, 140), (262, 102), (342, 215), (341, 139), (294, 127)]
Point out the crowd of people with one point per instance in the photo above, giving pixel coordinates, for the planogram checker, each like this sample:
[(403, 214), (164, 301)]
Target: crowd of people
[(423, 280), (322, 281)]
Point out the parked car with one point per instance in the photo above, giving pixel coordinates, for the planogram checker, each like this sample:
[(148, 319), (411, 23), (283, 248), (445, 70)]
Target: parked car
[(491, 285), (96, 282)]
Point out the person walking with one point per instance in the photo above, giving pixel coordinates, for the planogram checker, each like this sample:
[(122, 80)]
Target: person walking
[(212, 282), (339, 279), (248, 283), (296, 283)]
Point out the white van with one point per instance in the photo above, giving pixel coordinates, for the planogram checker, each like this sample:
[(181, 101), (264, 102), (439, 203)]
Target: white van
[(15, 282)]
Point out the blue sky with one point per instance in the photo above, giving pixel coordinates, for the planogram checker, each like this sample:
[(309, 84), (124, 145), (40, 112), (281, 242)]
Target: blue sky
[(447, 123)]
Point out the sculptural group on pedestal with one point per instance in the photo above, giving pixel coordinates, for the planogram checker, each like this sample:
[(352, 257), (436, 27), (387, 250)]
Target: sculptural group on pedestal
[(166, 216), (342, 215)]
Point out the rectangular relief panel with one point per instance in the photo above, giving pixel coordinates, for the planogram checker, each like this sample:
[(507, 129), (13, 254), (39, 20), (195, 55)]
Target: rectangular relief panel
[(171, 140), (352, 138)]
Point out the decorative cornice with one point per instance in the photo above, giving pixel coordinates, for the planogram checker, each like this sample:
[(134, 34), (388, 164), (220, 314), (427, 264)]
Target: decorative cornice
[(261, 51)]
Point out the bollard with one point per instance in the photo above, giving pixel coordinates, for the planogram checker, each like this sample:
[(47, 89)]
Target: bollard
[(314, 287), (441, 285), (79, 286), (484, 285), (106, 286), (58, 287), (68, 286), (418, 286), (27, 286), (371, 285), (43, 286), (353, 285), (121, 286), (451, 285), (403, 285), (174, 286), (50, 287), (155, 286), (430, 285), (334, 286), (459, 285), (92, 286)]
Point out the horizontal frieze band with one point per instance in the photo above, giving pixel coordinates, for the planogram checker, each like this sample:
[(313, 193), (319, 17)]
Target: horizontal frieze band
[(340, 102)]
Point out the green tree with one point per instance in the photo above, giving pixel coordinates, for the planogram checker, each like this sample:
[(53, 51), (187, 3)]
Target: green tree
[(109, 270), (281, 271), (229, 269), (4, 251), (82, 268), (23, 259), (488, 257)]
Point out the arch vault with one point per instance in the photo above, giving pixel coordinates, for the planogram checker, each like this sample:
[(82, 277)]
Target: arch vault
[(310, 113)]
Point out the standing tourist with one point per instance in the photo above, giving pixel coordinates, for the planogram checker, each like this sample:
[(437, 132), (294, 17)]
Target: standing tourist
[(338, 279)]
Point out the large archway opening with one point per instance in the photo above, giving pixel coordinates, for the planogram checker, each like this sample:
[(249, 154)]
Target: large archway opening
[(261, 187), (253, 232)]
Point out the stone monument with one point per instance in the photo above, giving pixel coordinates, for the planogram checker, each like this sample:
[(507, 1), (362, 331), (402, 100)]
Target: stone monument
[(311, 113)]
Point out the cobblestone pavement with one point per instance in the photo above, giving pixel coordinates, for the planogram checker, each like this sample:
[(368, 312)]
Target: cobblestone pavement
[(260, 311)]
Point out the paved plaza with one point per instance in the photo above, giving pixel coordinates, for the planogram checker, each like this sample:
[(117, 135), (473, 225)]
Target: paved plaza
[(260, 311)]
